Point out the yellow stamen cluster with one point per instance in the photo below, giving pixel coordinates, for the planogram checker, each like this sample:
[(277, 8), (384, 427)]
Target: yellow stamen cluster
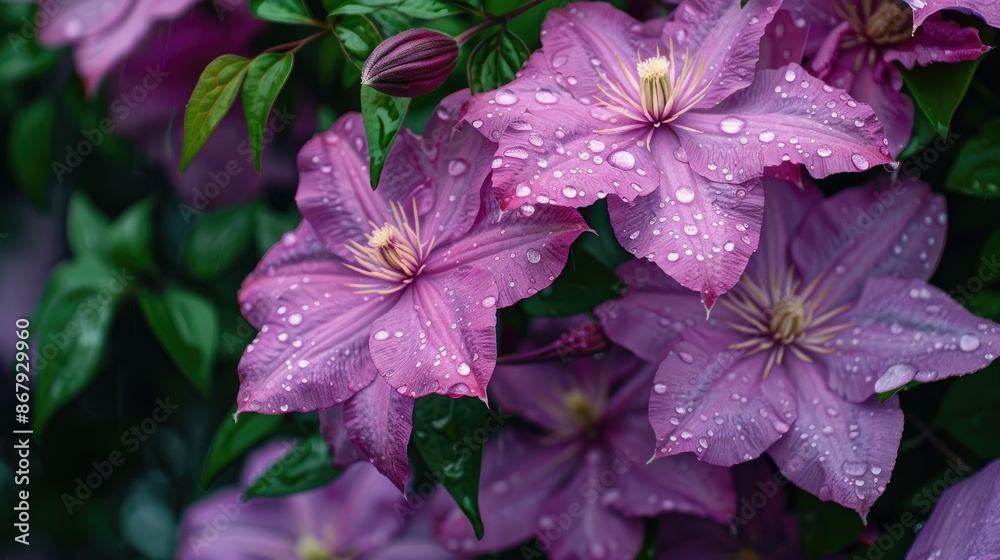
[(394, 252)]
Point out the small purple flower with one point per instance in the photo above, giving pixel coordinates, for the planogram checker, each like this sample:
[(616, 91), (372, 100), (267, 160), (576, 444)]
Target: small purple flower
[(103, 32), (610, 106), (411, 63), (379, 297), (855, 45), (965, 523), (833, 308), (355, 516), (576, 483), (987, 10)]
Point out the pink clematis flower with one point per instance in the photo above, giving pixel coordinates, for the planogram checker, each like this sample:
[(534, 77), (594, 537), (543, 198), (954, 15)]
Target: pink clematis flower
[(352, 517), (576, 484), (103, 32), (965, 523), (379, 297), (610, 106), (856, 44), (834, 308), (987, 10)]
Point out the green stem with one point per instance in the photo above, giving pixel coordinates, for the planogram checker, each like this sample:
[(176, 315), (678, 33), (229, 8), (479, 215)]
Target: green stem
[(501, 19)]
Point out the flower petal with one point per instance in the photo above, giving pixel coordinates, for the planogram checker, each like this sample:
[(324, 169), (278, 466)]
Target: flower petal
[(680, 483), (331, 426), (262, 529), (711, 400), (937, 40), (784, 41), (700, 232), (551, 384), (837, 450), (880, 88), (335, 193), (893, 228), (785, 115), (69, 22), (987, 10), (965, 522), (906, 330), (524, 250), (725, 37), (312, 349), (440, 337), (379, 422), (652, 314)]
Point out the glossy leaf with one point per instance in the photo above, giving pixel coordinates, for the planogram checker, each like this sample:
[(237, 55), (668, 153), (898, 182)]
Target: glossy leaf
[(441, 426), (421, 9), (936, 102), (307, 465), (583, 284), (217, 239), (130, 239), (211, 99), (70, 330), (969, 406), (87, 228), (187, 326), (383, 116), (29, 147), (281, 11), (266, 75), (358, 36), (976, 171), (233, 439), (495, 60)]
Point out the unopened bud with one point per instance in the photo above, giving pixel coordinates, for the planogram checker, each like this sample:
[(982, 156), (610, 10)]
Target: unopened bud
[(411, 63)]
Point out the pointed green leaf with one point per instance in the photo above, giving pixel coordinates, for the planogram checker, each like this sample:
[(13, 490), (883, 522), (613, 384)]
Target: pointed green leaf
[(420, 9), (281, 11), (217, 239), (29, 145), (233, 439), (211, 99), (969, 407), (358, 36), (87, 228), (187, 326), (70, 329), (266, 75), (307, 465), (440, 425), (383, 116), (495, 60), (130, 239), (976, 171)]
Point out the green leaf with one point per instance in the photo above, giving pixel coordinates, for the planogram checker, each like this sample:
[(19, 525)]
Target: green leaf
[(985, 303), (217, 239), (211, 99), (233, 439), (306, 466), (383, 116), (130, 239), (281, 11), (884, 396), (976, 171), (441, 425), (358, 36), (266, 75), (86, 226), (420, 9), (187, 326), (495, 60), (583, 284), (970, 407), (22, 58), (939, 88), (70, 329), (271, 226), (825, 526), (29, 145)]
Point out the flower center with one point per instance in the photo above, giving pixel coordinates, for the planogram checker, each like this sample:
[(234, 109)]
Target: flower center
[(778, 316), (886, 23), (667, 87), (311, 549), (393, 255), (580, 409)]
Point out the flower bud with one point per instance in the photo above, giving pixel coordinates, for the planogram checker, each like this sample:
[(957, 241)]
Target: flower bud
[(411, 63)]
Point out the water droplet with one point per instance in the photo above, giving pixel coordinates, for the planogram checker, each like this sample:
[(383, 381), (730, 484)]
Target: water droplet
[(381, 335), (895, 377), (731, 125), (596, 145), (533, 256), (684, 194), (569, 191), (459, 389), (860, 161), (823, 151), (622, 160), (505, 97), (790, 75), (766, 136), (660, 388), (546, 97), (523, 190), (294, 319), (516, 153), (489, 301), (457, 166), (464, 369), (853, 468), (968, 342)]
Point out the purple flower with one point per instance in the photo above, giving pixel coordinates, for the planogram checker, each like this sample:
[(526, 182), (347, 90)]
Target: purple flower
[(103, 32), (379, 297), (610, 106), (855, 45), (987, 10), (355, 516), (833, 308), (576, 482), (965, 523)]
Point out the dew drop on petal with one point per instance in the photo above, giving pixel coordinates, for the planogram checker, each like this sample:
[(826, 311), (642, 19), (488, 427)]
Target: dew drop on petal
[(660, 388), (464, 369), (766, 136), (546, 97), (731, 125), (294, 319), (622, 160), (968, 342), (860, 161), (684, 194), (457, 167), (895, 377), (505, 97), (489, 301), (533, 256), (823, 151), (381, 335)]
